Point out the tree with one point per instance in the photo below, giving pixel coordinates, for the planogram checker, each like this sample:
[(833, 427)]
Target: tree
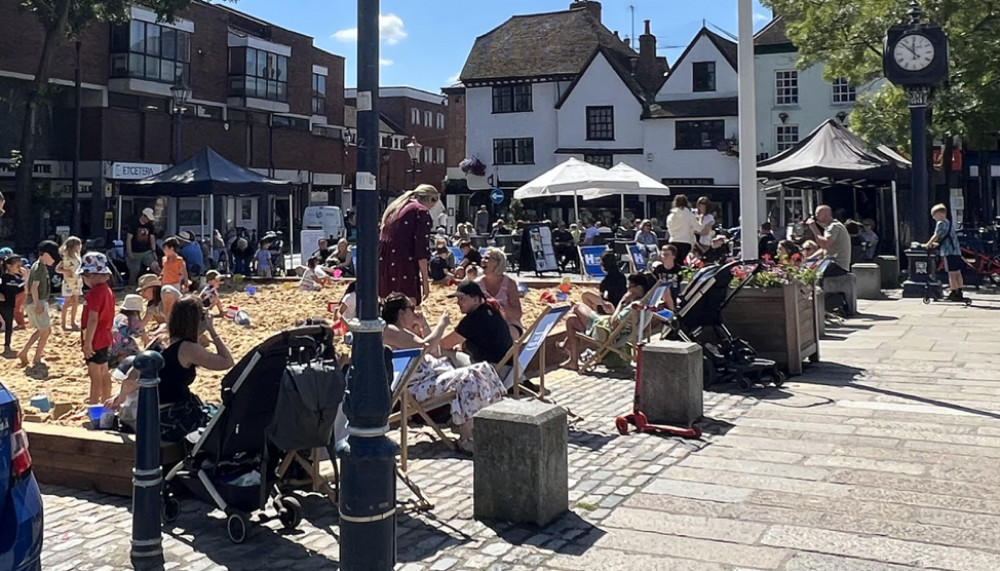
[(847, 38), (61, 20)]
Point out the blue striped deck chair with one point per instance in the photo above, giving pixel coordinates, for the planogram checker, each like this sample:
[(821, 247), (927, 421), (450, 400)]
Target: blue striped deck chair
[(404, 365), (639, 257), (456, 253), (591, 258)]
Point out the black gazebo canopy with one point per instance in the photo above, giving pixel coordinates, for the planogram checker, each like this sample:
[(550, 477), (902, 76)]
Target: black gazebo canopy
[(207, 173)]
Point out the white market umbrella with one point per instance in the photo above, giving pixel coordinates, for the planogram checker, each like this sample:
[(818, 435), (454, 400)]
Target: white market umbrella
[(572, 177), (645, 185)]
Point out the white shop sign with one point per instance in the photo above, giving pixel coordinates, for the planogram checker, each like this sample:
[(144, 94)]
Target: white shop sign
[(135, 171)]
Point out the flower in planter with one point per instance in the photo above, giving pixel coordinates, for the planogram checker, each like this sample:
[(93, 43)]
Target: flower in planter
[(472, 165)]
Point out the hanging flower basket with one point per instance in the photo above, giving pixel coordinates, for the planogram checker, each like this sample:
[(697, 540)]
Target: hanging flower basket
[(473, 166)]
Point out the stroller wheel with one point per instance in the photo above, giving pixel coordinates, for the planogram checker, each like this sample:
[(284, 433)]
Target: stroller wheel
[(289, 512), (927, 301), (170, 510), (778, 378), (236, 525), (744, 383)]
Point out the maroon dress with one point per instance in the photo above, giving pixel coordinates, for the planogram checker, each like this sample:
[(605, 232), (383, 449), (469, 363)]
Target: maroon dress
[(403, 242)]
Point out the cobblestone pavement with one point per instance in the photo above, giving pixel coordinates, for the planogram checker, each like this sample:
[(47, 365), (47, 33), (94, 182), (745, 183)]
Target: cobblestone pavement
[(882, 457)]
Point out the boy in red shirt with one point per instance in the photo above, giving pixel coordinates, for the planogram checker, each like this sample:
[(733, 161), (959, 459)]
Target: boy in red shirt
[(97, 320)]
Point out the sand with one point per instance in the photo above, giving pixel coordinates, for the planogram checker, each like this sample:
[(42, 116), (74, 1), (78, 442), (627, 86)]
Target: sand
[(273, 307)]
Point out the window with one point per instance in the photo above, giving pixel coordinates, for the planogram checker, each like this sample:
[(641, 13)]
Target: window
[(513, 151), (319, 94), (600, 123), (786, 85), (429, 118), (843, 92), (703, 76), (257, 73), (297, 123), (700, 134), (440, 120), (512, 98), (440, 156), (415, 116), (149, 51), (428, 155), (386, 141), (786, 136), (603, 161)]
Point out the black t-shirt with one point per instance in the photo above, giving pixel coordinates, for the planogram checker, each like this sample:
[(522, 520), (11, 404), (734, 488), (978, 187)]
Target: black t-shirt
[(474, 257), (767, 244), (613, 288), (140, 236), (487, 336), (437, 267), (561, 235), (323, 254)]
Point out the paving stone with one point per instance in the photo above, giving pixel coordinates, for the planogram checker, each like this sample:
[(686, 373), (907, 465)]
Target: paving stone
[(692, 548), (697, 490), (753, 467), (686, 525), (611, 560), (820, 562)]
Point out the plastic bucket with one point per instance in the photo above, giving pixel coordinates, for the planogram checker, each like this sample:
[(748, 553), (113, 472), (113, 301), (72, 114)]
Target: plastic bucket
[(237, 278), (251, 290), (41, 402), (100, 416)]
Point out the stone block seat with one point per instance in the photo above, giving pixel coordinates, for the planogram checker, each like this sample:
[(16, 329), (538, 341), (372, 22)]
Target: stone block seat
[(844, 285)]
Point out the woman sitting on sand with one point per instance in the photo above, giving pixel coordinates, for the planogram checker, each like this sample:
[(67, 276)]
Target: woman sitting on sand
[(497, 284), (476, 386), (583, 319)]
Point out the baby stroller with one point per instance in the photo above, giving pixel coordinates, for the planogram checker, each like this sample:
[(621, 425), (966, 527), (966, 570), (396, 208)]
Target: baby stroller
[(281, 397), (699, 320)]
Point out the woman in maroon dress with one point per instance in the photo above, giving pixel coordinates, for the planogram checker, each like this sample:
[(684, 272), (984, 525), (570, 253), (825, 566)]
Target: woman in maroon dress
[(404, 244)]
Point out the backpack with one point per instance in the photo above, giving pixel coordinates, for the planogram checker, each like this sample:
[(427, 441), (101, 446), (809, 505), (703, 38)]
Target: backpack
[(306, 409)]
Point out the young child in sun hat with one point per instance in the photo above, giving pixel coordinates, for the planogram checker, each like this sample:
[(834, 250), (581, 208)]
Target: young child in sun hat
[(125, 328), (97, 321)]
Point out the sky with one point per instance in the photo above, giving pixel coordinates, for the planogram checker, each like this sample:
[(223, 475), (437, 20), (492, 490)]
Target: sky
[(425, 42)]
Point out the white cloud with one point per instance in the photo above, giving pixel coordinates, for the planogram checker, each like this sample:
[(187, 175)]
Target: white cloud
[(454, 79), (390, 28), (758, 17), (384, 62)]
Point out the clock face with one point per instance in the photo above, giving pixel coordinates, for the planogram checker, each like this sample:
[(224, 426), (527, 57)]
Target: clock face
[(913, 52)]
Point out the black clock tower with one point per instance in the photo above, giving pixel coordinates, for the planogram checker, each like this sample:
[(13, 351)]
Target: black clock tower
[(915, 57)]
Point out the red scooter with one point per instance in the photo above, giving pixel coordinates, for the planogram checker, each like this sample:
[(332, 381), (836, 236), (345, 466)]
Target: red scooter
[(638, 418)]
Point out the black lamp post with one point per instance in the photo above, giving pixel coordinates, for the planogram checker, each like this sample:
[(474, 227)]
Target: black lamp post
[(180, 93), (413, 149), (368, 457)]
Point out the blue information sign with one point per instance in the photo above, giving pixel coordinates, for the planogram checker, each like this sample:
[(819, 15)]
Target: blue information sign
[(496, 196)]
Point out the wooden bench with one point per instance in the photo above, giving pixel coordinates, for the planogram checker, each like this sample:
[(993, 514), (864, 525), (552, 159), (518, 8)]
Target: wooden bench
[(83, 459)]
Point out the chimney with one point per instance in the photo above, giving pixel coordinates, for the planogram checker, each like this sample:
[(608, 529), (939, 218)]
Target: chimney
[(648, 70), (592, 5)]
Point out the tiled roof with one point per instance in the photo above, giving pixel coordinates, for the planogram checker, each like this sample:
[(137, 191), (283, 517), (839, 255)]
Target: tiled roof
[(539, 45), (772, 34), (384, 125), (721, 107), (728, 47)]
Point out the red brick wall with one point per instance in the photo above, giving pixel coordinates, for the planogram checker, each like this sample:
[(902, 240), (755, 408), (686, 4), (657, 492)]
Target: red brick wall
[(22, 36), (455, 124)]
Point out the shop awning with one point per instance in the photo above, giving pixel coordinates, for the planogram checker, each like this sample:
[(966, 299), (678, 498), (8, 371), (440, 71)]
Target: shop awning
[(207, 173)]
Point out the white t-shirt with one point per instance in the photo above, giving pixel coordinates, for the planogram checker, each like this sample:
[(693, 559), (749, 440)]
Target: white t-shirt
[(311, 279), (709, 221), (350, 302), (682, 225)]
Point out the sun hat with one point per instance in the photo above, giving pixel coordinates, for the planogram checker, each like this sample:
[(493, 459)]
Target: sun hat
[(212, 275), (133, 302), (5, 251), (148, 213), (468, 288), (186, 236), (171, 290), (148, 280), (94, 263)]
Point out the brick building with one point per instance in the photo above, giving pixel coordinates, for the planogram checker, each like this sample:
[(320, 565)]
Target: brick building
[(262, 96)]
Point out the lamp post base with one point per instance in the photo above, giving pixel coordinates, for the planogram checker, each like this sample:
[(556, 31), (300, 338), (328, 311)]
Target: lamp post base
[(368, 501)]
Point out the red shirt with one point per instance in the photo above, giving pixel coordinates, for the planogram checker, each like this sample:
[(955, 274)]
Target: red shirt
[(100, 299)]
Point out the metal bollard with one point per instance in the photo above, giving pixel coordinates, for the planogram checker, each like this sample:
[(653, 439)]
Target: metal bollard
[(147, 476)]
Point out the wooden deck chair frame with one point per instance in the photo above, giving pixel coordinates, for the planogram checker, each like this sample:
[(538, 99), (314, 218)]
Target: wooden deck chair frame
[(636, 319), (328, 485), (408, 406), (399, 395)]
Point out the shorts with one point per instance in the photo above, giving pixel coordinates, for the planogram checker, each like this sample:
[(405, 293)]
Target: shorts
[(43, 321), (953, 263), (71, 289), (100, 357)]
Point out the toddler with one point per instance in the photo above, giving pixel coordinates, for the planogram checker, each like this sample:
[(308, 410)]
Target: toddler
[(126, 326), (72, 286), (210, 293), (11, 286), (174, 271), (98, 319), (314, 277), (440, 267), (263, 256), (39, 287)]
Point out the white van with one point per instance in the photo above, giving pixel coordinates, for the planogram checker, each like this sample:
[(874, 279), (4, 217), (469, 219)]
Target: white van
[(321, 222)]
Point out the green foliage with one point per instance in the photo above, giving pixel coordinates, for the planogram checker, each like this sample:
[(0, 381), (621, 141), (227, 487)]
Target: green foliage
[(517, 209), (847, 36), (84, 12)]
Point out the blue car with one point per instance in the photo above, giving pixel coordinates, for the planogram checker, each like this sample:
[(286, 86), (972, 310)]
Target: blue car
[(20, 500)]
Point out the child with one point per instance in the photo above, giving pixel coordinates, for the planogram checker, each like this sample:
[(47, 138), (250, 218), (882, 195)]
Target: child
[(472, 272), (440, 268), (314, 277), (126, 326), (470, 257), (174, 270), (38, 288), (11, 286), (98, 318), (946, 237), (72, 286), (210, 293), (263, 256), (349, 303)]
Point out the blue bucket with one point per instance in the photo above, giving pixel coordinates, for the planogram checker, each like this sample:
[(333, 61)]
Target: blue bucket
[(95, 412)]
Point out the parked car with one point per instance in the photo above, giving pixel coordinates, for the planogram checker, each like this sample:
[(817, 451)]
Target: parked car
[(20, 500)]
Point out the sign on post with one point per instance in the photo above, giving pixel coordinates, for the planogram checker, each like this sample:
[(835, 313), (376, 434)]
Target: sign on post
[(496, 195)]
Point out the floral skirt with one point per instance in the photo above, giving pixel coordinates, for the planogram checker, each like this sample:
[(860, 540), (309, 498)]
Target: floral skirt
[(476, 386)]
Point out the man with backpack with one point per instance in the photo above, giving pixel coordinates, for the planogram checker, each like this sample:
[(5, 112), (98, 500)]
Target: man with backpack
[(946, 237)]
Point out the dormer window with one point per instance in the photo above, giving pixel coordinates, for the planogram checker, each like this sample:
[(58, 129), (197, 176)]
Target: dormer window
[(703, 76)]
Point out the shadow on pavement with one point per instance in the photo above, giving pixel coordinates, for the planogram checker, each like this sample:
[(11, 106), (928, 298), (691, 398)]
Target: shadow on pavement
[(420, 535), (569, 534)]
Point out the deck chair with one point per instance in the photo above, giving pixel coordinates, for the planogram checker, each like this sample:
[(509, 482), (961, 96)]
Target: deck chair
[(617, 341), (590, 257), (456, 253), (638, 255), (404, 365), (532, 342)]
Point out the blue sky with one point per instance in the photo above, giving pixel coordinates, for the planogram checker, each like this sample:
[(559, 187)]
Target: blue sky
[(425, 42)]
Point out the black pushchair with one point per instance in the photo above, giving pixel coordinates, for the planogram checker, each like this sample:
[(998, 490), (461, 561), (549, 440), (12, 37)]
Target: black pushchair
[(279, 398), (699, 320)]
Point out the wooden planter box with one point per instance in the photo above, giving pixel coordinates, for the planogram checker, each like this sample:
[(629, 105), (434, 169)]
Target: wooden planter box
[(84, 459), (780, 323)]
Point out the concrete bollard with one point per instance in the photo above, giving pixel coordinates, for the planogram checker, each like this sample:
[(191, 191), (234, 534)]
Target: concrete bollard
[(889, 269), (868, 282), (671, 382), (521, 465)]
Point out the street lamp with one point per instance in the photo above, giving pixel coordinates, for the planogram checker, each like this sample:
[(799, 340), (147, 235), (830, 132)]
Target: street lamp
[(180, 93), (413, 149)]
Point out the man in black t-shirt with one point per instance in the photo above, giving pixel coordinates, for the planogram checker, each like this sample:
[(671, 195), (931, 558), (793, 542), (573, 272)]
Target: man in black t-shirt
[(140, 246), (483, 332), (471, 256)]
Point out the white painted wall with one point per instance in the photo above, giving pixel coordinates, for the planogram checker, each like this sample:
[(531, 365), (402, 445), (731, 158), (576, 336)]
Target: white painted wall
[(679, 83), (669, 162), (600, 85)]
